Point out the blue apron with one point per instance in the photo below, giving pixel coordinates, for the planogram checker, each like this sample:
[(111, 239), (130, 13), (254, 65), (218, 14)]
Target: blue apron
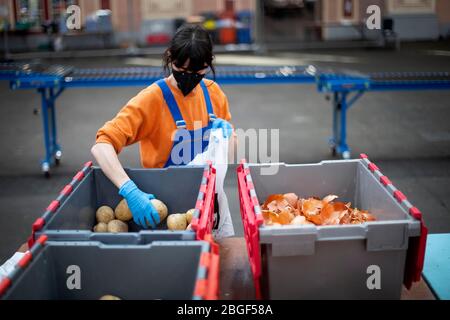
[(183, 136)]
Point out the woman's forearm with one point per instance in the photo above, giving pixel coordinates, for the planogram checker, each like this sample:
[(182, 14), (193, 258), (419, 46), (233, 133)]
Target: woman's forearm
[(109, 162)]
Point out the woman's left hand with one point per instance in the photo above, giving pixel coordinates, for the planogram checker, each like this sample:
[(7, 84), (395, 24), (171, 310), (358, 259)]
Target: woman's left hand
[(226, 127)]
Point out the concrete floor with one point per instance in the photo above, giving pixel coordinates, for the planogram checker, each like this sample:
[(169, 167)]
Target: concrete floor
[(406, 133)]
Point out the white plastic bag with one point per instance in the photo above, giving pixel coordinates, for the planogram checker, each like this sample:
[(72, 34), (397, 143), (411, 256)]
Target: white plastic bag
[(217, 153)]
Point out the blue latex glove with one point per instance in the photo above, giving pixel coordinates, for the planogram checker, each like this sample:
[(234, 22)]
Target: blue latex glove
[(140, 205), (226, 127)]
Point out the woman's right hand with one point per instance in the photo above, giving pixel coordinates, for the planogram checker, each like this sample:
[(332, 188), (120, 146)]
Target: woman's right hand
[(144, 213)]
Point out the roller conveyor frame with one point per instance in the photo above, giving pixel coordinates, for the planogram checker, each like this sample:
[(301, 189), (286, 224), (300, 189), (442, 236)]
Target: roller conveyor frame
[(67, 77), (346, 88), (51, 81)]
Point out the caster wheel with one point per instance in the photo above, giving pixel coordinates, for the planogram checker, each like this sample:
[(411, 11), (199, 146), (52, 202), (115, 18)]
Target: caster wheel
[(58, 156), (46, 169), (346, 155)]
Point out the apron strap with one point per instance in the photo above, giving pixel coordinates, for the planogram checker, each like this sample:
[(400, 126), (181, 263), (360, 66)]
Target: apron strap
[(209, 107), (171, 103)]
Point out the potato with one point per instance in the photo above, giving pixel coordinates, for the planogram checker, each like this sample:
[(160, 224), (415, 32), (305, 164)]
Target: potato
[(104, 214), (117, 226), (190, 215), (161, 208), (101, 227), (177, 221), (109, 297), (122, 211)]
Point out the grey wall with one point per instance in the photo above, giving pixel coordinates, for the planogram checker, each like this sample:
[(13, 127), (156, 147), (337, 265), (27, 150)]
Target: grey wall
[(416, 27)]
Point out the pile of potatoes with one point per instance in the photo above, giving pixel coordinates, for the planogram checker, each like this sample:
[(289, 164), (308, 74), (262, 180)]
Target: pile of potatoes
[(115, 221), (107, 222)]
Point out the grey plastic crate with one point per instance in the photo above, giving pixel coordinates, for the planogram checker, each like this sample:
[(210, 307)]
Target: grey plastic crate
[(168, 270), (331, 262), (71, 217)]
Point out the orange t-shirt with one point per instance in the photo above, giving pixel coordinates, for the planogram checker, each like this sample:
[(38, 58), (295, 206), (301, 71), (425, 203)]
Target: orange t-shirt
[(146, 118)]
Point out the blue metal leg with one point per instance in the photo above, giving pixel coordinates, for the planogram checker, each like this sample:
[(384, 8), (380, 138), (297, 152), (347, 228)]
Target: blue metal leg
[(53, 152), (343, 148), (46, 163), (342, 102), (334, 138), (56, 149)]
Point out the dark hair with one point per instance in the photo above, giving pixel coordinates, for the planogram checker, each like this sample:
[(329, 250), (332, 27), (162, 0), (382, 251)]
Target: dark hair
[(191, 42)]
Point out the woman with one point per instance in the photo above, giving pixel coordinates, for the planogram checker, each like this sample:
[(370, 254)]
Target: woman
[(161, 117)]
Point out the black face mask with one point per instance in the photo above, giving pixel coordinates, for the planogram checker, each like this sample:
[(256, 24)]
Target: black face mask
[(187, 81)]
